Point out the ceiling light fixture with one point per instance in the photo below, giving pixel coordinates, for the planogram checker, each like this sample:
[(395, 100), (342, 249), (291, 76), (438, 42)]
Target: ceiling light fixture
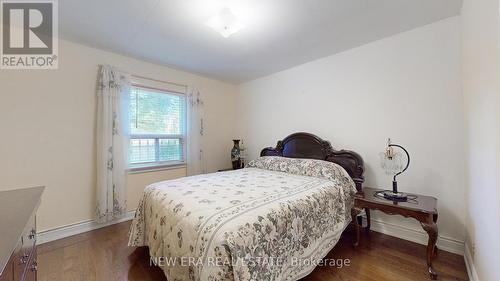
[(225, 22)]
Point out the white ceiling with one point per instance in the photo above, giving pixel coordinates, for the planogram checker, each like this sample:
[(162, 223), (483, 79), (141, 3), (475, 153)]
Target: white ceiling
[(279, 34)]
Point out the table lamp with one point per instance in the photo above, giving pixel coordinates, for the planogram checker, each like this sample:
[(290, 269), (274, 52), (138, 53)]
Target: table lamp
[(393, 164)]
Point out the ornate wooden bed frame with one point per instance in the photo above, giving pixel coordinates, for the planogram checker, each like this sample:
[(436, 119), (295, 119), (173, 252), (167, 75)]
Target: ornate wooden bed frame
[(305, 145)]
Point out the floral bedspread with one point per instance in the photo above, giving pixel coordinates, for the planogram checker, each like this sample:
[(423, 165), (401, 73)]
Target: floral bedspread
[(265, 222)]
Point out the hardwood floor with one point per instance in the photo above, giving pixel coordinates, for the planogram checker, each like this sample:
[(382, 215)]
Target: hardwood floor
[(103, 255)]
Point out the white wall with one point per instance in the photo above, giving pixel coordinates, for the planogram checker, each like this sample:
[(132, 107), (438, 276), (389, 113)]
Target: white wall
[(406, 87), (47, 120), (481, 78)]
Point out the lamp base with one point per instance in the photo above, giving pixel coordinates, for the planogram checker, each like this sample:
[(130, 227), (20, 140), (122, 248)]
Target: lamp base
[(394, 196)]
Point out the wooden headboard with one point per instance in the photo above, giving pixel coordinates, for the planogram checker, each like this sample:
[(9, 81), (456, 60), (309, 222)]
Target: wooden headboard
[(305, 145)]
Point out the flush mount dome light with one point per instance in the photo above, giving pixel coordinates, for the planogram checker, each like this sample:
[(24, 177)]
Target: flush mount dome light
[(225, 22)]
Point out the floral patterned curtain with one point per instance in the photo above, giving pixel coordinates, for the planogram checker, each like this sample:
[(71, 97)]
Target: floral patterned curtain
[(196, 163), (112, 142)]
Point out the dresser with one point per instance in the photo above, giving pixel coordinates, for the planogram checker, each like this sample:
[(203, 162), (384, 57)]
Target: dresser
[(18, 233)]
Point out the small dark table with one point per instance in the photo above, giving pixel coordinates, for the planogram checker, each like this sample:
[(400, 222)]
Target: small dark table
[(225, 170), (228, 169), (423, 209)]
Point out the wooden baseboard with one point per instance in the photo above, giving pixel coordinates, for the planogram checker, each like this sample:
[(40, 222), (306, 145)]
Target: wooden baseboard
[(77, 228)]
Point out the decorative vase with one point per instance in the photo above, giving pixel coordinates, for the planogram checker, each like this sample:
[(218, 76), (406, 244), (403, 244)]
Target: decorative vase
[(236, 155), (242, 155)]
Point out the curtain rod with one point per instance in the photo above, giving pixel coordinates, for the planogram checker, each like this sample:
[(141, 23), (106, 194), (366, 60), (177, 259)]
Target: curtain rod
[(161, 81)]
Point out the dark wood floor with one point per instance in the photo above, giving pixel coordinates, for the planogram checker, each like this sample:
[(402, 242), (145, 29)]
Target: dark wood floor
[(103, 255)]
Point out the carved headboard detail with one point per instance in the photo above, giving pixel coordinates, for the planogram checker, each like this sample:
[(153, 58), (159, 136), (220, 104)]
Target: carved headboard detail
[(305, 145)]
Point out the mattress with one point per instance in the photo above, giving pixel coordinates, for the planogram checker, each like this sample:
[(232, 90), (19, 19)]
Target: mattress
[(270, 221)]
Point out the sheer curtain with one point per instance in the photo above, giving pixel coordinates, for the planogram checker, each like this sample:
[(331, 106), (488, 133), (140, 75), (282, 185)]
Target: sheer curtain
[(112, 142), (196, 162)]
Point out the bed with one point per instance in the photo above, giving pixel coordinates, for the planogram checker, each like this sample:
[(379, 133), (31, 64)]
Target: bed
[(272, 220)]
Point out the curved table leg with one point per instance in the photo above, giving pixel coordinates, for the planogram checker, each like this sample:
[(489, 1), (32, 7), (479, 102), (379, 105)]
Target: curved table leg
[(432, 231), (354, 216), (360, 221), (368, 219), (435, 218)]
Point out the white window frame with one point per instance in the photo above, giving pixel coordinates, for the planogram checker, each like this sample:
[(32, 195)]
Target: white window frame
[(171, 89)]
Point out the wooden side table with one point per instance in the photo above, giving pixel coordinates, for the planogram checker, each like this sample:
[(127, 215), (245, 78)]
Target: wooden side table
[(225, 170), (228, 169), (422, 208)]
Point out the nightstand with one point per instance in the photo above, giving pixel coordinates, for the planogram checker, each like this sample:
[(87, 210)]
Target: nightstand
[(228, 169), (422, 208), (225, 170)]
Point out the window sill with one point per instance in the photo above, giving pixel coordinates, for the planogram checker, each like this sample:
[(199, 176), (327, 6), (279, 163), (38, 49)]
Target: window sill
[(155, 168)]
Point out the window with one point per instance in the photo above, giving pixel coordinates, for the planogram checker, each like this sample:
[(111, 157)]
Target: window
[(157, 127)]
